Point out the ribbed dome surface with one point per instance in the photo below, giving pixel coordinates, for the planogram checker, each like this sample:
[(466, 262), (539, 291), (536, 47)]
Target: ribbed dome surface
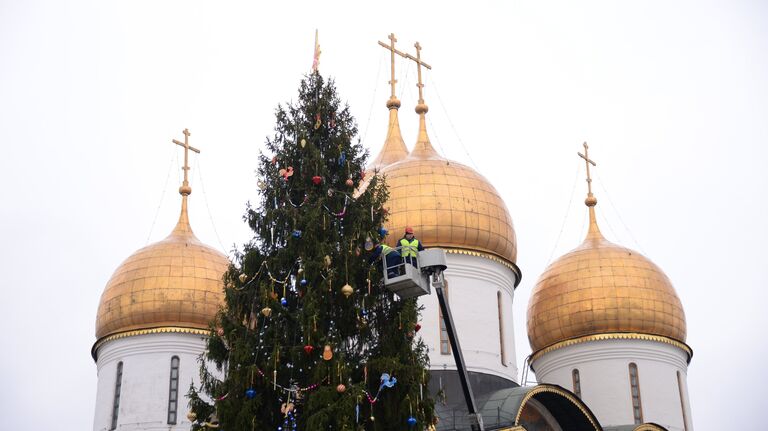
[(601, 287), (174, 282), (448, 205)]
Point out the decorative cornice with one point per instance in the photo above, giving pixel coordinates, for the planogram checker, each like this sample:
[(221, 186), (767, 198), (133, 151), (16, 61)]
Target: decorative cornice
[(493, 257), (563, 393), (613, 336), (159, 330)]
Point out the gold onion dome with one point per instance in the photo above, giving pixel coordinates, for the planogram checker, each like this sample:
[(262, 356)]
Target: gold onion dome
[(602, 288), (448, 204), (175, 283)]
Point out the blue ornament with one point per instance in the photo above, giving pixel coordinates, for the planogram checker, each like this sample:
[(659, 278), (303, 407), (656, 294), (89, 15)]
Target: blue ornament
[(303, 281), (387, 381), (283, 301), (342, 159), (297, 234), (411, 421), (383, 231), (250, 393)]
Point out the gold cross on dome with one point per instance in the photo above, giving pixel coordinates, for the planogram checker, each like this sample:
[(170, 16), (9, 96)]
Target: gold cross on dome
[(187, 147), (419, 63), (391, 48), (587, 160)]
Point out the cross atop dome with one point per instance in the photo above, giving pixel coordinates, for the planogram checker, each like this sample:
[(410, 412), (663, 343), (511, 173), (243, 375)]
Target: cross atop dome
[(591, 201), (185, 189)]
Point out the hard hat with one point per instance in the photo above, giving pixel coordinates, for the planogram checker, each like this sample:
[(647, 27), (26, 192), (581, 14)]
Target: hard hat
[(409, 230)]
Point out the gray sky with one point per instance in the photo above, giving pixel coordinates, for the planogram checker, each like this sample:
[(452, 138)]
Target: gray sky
[(671, 96)]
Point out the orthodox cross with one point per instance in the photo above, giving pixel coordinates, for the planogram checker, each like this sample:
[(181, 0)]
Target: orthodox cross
[(187, 147), (587, 161), (392, 49), (419, 63)]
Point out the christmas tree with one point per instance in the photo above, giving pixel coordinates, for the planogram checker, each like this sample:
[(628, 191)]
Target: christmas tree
[(309, 338)]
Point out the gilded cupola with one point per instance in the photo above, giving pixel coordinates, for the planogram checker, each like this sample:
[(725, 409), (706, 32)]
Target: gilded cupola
[(173, 285), (448, 204), (603, 289)]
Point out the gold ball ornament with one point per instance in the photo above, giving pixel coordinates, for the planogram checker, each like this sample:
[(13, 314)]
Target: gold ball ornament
[(303, 142), (192, 416), (262, 185), (266, 311), (347, 290), (242, 278)]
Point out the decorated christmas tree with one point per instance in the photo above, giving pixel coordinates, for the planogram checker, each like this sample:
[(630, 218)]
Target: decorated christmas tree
[(309, 338)]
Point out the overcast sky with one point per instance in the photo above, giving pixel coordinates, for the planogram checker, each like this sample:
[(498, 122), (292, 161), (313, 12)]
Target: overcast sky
[(671, 96)]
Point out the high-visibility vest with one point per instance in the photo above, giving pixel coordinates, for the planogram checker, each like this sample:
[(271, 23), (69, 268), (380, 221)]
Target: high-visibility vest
[(385, 249), (409, 248)]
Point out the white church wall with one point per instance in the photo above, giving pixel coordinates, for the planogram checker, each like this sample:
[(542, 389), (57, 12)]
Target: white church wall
[(146, 380), (605, 385), (473, 283)]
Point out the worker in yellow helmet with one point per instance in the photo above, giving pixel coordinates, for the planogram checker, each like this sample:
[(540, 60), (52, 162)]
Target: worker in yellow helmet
[(410, 246)]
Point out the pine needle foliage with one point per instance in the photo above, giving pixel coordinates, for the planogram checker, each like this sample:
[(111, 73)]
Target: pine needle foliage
[(288, 349)]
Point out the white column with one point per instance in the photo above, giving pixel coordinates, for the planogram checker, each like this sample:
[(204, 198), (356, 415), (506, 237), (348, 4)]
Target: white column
[(473, 283), (605, 386), (145, 384)]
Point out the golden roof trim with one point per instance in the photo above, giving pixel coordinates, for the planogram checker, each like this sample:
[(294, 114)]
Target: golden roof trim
[(135, 332), (614, 336), (489, 256), (562, 392)]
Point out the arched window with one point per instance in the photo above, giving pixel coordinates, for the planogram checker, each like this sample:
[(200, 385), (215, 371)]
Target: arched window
[(576, 382), (173, 392), (116, 403), (634, 383), (501, 330)]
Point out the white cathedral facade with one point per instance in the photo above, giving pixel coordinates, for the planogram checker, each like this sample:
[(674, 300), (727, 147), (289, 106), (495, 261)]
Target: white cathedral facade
[(605, 325)]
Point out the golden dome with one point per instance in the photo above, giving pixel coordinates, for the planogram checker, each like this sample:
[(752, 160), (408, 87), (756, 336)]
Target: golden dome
[(176, 282), (600, 288), (394, 148), (448, 204)]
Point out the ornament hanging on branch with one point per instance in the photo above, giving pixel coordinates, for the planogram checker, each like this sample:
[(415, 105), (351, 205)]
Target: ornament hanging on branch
[(327, 353), (347, 290), (286, 173), (317, 179), (318, 122), (250, 393)]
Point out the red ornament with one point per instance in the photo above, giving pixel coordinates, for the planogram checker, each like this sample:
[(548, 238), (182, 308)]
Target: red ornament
[(341, 388), (350, 183), (362, 175), (317, 179), (417, 327), (308, 349)]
